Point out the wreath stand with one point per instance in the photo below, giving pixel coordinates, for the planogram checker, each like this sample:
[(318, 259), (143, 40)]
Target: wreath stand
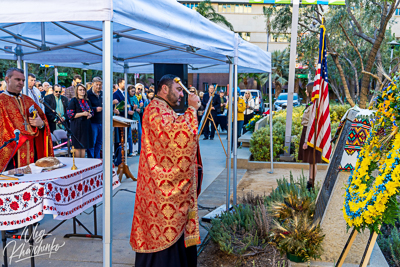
[(367, 252)]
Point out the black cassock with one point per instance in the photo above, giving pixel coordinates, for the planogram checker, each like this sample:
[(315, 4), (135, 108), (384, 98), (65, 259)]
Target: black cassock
[(176, 255)]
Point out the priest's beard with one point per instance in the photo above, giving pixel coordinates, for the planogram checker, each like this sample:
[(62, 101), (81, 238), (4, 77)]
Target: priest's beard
[(172, 98)]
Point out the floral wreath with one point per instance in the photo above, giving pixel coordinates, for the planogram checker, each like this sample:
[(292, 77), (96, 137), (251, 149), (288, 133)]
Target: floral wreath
[(371, 201)]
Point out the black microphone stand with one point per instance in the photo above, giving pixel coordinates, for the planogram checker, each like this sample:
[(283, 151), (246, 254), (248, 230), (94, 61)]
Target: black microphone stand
[(64, 123)]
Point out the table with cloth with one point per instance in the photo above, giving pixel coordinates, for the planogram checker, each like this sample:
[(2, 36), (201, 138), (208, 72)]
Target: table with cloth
[(62, 192)]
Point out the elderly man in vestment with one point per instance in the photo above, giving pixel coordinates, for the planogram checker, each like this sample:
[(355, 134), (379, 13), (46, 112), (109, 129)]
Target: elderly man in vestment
[(165, 227), (18, 111)]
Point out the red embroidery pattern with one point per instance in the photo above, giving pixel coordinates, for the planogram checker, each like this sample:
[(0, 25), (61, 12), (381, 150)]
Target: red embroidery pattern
[(166, 199)]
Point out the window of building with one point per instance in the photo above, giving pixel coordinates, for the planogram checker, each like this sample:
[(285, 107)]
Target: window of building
[(245, 36), (191, 5), (281, 38), (397, 13), (234, 8)]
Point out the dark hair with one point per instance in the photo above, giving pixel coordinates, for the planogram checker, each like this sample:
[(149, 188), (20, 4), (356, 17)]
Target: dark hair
[(10, 71), (32, 75), (120, 80), (77, 76), (57, 85), (167, 79), (309, 89)]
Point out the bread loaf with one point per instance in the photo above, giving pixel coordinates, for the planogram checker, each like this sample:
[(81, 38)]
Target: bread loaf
[(47, 162)]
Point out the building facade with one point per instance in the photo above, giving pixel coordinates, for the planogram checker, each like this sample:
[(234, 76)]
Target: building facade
[(248, 20)]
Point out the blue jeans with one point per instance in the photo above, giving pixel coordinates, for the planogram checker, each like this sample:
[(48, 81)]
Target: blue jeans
[(239, 132), (97, 131)]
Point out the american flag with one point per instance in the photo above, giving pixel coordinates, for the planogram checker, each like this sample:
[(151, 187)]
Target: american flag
[(320, 92)]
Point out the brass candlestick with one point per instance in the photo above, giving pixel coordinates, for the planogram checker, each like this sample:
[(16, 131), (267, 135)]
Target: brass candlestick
[(73, 159)]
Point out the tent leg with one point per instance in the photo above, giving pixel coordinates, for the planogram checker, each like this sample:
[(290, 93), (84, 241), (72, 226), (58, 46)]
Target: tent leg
[(55, 75), (235, 135), (26, 73), (107, 142), (126, 109), (228, 178), (19, 62), (270, 124), (292, 66)]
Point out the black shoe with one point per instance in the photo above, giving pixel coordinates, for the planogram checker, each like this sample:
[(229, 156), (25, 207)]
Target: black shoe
[(212, 138), (205, 138)]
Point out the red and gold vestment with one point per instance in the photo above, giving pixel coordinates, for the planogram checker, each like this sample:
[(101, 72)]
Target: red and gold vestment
[(14, 114), (166, 194)]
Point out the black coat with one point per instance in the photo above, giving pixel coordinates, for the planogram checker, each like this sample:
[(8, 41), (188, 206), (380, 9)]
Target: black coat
[(216, 103), (51, 101)]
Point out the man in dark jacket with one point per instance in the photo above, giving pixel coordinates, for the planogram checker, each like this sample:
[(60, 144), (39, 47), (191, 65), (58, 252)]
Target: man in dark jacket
[(215, 107), (96, 100), (59, 104)]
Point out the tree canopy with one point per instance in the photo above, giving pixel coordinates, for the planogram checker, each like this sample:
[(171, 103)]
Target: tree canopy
[(357, 37)]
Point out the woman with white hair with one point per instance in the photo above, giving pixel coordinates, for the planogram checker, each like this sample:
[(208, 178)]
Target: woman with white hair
[(249, 112), (140, 97)]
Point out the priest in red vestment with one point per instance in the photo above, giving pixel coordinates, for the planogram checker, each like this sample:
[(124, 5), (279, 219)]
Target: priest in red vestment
[(20, 112), (165, 227)]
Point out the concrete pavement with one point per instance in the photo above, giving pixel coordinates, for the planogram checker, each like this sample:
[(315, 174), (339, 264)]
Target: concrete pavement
[(89, 252)]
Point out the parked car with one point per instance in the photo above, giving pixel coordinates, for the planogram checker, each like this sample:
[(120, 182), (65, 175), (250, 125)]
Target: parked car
[(256, 94), (281, 101)]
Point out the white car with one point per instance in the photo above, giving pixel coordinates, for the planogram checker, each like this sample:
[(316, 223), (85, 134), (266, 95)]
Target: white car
[(258, 100)]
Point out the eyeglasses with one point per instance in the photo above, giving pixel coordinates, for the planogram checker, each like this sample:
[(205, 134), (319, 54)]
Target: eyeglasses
[(57, 92), (192, 91)]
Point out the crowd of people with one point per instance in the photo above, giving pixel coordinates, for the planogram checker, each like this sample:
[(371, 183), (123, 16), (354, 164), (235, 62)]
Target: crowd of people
[(79, 107)]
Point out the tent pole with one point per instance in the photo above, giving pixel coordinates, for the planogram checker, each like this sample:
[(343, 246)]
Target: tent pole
[(19, 62), (270, 124), (228, 178), (26, 77), (55, 75), (107, 142), (84, 77), (292, 69), (235, 134), (126, 107)]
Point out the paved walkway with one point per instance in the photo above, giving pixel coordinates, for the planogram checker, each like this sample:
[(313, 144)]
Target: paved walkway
[(88, 252)]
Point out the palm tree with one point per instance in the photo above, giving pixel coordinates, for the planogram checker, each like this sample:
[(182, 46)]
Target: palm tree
[(280, 69), (259, 78), (206, 10)]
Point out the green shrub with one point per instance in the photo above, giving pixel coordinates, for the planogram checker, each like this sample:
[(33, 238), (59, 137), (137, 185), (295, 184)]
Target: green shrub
[(296, 187), (242, 230), (390, 247), (259, 143)]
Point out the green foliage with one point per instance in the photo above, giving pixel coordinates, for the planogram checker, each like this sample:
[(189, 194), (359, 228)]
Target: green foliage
[(206, 10), (260, 144), (241, 230), (297, 235), (292, 206), (368, 15), (390, 247), (297, 188)]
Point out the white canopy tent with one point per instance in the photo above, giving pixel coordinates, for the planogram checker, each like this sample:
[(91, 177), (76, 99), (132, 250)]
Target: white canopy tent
[(122, 34)]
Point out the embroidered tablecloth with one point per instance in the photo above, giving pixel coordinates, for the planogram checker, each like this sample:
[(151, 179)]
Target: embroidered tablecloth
[(61, 192)]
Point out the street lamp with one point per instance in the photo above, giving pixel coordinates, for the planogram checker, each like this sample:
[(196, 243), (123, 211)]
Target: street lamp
[(392, 45)]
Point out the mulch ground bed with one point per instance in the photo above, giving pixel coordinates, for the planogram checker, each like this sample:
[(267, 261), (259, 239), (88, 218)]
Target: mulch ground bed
[(212, 256)]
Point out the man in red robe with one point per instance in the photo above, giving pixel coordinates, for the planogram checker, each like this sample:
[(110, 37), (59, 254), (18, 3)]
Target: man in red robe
[(165, 227), (17, 112)]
